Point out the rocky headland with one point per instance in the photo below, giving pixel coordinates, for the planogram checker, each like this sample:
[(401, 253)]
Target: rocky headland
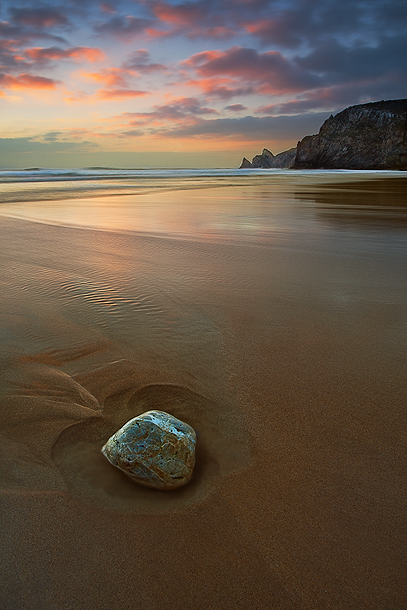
[(365, 136)]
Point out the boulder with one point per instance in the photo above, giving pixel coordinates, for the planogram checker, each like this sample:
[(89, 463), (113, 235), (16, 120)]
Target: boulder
[(155, 449)]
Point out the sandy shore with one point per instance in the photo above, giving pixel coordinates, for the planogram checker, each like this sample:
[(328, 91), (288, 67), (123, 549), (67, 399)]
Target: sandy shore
[(289, 359)]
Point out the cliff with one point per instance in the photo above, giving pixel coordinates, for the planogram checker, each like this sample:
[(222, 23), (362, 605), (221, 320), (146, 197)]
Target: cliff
[(267, 160), (366, 136)]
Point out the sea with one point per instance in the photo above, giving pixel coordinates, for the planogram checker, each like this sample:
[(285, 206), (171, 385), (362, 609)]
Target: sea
[(203, 203)]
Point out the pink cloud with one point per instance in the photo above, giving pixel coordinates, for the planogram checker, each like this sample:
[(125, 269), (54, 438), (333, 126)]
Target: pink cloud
[(109, 76), (270, 72), (116, 86), (187, 13), (26, 81), (40, 54), (222, 88), (191, 19), (117, 93), (178, 111)]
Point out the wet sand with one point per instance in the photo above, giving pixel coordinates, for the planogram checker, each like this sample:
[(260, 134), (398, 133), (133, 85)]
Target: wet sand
[(276, 327)]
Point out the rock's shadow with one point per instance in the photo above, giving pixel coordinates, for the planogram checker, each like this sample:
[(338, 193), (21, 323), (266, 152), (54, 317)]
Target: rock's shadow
[(222, 447)]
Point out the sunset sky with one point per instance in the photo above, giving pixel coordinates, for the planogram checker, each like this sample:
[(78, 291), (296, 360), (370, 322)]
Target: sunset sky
[(137, 83)]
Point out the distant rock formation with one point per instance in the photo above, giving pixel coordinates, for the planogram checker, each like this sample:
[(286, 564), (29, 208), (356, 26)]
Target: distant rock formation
[(245, 164), (365, 136), (267, 160)]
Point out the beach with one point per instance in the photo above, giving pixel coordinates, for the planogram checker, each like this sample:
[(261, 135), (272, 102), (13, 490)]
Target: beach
[(266, 310)]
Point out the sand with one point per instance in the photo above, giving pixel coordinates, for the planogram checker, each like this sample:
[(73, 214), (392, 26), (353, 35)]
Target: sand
[(285, 350)]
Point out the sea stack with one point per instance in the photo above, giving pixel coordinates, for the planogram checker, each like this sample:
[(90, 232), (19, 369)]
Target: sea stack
[(268, 161)]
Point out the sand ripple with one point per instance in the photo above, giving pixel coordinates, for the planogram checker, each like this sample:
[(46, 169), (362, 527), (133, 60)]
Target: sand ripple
[(54, 426)]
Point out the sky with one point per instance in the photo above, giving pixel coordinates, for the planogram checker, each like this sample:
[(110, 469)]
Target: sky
[(196, 83)]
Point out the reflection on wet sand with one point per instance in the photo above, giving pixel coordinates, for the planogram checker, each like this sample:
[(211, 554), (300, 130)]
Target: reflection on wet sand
[(379, 203)]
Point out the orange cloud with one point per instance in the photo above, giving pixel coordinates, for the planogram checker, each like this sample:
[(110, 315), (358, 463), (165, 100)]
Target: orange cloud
[(221, 88), (186, 14), (115, 94), (40, 54), (109, 76), (192, 19), (200, 58), (26, 81), (268, 72)]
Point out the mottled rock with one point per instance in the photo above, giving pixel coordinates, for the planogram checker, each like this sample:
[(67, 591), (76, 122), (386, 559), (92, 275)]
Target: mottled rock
[(154, 449), (365, 136)]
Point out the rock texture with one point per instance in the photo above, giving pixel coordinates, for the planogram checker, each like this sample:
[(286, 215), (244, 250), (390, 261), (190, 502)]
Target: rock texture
[(154, 449), (245, 164), (366, 136), (267, 160)]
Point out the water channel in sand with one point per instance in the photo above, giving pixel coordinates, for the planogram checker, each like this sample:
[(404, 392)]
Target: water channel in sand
[(269, 314)]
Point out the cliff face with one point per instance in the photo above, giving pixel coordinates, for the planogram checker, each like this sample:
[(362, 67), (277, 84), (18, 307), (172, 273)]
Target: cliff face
[(267, 160), (366, 136)]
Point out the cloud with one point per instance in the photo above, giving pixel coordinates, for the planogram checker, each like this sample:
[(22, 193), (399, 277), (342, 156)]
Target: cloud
[(124, 27), (116, 81), (42, 55), (20, 35), (10, 57), (249, 128), (339, 63), (275, 31), (42, 17), (270, 71), (108, 8), (221, 88), (33, 145), (185, 118), (109, 76), (236, 108), (215, 19), (337, 97), (26, 81), (178, 111), (307, 23), (115, 93), (193, 20), (140, 62)]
